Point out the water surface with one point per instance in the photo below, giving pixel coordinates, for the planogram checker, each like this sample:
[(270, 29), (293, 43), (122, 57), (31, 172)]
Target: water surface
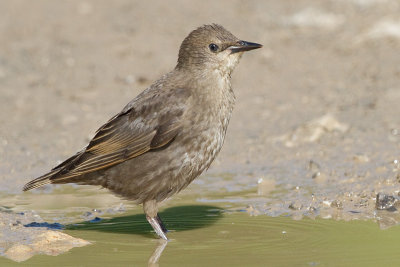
[(216, 234)]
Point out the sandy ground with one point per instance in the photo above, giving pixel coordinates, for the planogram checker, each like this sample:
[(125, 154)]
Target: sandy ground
[(316, 128)]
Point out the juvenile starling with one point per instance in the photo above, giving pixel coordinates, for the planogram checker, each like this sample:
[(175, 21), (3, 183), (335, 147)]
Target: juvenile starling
[(169, 134)]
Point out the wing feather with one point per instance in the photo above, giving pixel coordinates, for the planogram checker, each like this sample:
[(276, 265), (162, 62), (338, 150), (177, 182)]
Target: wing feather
[(143, 125)]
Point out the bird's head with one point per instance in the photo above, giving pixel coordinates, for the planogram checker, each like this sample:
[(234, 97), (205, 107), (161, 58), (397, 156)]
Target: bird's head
[(212, 47)]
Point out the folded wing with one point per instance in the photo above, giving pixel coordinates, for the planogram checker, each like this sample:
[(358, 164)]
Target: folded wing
[(142, 126)]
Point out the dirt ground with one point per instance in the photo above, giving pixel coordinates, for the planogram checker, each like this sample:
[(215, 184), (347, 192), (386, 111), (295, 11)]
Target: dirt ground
[(316, 128)]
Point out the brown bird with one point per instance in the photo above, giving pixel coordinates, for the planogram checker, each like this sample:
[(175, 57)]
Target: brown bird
[(169, 134)]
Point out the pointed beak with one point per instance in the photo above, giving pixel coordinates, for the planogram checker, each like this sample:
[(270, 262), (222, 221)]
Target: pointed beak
[(243, 46)]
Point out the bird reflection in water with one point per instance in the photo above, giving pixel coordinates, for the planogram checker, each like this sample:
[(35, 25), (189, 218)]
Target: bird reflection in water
[(155, 257)]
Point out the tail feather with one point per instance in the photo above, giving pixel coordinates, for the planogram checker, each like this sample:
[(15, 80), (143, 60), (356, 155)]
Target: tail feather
[(48, 177), (40, 181)]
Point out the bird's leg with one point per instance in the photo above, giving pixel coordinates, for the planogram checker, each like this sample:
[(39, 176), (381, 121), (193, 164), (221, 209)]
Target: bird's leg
[(150, 209), (157, 227), (160, 222)]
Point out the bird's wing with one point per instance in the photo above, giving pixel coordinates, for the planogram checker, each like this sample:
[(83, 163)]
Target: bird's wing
[(113, 143), (150, 121)]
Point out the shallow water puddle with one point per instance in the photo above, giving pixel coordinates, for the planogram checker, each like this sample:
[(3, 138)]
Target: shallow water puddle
[(206, 235)]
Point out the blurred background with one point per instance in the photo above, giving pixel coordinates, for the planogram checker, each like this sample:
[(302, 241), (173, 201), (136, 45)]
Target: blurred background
[(316, 127)]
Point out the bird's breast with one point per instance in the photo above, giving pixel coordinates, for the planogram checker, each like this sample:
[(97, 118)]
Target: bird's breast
[(205, 134)]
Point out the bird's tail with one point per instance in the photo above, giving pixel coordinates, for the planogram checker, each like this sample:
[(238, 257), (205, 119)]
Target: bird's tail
[(40, 181)]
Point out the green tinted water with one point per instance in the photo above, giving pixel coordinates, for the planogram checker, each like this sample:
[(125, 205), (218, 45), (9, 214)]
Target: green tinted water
[(206, 235)]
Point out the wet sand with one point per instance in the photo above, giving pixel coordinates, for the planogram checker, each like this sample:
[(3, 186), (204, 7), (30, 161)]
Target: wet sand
[(315, 131)]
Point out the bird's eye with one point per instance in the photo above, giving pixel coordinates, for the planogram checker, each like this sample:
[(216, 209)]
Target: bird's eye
[(213, 47)]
